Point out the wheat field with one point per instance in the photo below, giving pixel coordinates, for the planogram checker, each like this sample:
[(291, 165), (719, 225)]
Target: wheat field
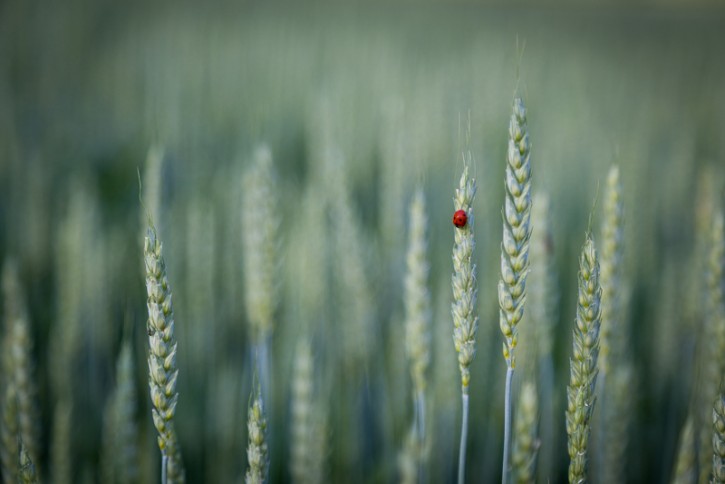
[(228, 251)]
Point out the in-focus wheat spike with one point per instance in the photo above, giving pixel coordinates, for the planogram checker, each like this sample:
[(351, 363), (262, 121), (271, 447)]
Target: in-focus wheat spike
[(257, 447), (417, 315), (121, 439), (19, 359), (526, 444), (685, 471), (611, 268), (514, 252), (583, 372), (9, 452), (260, 222), (516, 230), (465, 321), (163, 372), (713, 342), (27, 468), (718, 440)]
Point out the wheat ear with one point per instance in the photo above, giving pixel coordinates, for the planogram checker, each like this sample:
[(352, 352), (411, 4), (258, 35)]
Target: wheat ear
[(685, 471), (19, 358), (616, 373), (121, 460), (713, 351), (718, 440), (526, 444), (163, 372), (417, 320), (465, 321), (514, 253), (27, 468), (9, 452), (260, 223), (257, 447), (583, 374), (542, 309)]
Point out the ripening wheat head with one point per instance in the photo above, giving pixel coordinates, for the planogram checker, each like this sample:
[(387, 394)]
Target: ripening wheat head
[(417, 296), (611, 267), (260, 223), (163, 372), (465, 321), (583, 372), (516, 231), (257, 447), (713, 344)]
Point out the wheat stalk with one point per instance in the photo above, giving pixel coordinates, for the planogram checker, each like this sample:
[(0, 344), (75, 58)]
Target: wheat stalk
[(583, 374), (514, 253), (685, 471), (61, 445), (465, 321), (163, 372)]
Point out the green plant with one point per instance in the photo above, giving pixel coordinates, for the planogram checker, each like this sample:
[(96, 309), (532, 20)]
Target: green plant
[(685, 470), (163, 372), (465, 321), (257, 448), (526, 444), (514, 253), (417, 322), (583, 374)]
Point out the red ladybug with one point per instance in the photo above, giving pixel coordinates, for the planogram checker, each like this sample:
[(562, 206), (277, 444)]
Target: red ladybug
[(460, 218)]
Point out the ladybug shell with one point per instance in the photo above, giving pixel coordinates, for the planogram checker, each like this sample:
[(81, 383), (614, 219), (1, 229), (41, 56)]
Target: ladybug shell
[(460, 218)]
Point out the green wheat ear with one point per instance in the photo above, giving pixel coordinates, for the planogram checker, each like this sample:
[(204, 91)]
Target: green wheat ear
[(257, 455), (465, 321), (163, 372), (516, 231), (583, 374)]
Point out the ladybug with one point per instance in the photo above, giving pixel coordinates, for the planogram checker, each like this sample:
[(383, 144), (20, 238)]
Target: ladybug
[(460, 218)]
